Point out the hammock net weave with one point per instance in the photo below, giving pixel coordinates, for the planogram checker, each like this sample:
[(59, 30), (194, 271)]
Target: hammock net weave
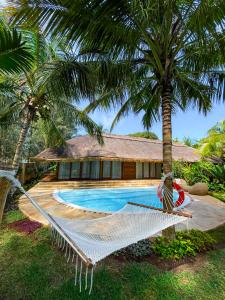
[(100, 237), (90, 240)]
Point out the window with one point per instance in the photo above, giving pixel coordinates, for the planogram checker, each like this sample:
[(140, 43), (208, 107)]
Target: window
[(152, 170), (146, 170), (95, 169), (64, 170), (86, 169), (116, 170), (139, 170), (75, 170), (106, 169), (158, 170)]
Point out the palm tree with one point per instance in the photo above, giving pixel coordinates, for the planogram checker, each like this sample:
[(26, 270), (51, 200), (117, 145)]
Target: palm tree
[(57, 81), (36, 95), (15, 56), (173, 49)]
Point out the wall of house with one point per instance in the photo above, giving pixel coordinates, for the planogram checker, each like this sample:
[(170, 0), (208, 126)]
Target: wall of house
[(97, 170)]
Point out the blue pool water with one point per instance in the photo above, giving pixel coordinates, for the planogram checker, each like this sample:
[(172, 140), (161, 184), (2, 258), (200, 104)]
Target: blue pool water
[(111, 200)]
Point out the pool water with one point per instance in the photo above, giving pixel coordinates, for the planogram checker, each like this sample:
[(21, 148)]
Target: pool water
[(111, 199)]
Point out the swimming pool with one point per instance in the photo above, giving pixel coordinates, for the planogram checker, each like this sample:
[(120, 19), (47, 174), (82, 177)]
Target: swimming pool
[(111, 199)]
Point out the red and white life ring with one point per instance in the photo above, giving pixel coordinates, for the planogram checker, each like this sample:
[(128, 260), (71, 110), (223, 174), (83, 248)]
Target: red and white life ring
[(180, 191)]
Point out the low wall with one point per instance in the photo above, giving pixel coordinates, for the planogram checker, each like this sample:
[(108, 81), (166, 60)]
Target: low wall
[(32, 170)]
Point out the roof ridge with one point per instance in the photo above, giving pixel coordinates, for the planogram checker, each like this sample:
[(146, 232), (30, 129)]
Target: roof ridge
[(132, 138), (140, 139)]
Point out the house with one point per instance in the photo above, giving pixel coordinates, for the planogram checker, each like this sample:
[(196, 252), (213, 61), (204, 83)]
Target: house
[(120, 157)]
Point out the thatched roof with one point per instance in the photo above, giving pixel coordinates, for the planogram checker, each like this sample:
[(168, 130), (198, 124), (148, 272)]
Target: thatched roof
[(115, 147)]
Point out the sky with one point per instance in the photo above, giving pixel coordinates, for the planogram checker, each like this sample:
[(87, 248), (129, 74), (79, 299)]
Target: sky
[(184, 124)]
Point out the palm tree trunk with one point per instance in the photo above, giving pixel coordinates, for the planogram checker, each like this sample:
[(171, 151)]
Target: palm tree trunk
[(4, 190), (167, 155), (21, 141), (4, 184)]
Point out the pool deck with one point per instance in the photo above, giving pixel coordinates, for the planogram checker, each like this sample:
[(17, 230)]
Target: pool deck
[(207, 212)]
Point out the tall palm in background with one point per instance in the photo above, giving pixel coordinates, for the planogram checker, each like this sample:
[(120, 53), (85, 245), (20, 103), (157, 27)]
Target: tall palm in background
[(45, 90), (173, 49), (57, 81), (15, 57)]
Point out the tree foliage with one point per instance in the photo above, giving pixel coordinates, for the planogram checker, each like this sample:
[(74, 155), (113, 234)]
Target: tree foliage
[(49, 92), (15, 55), (145, 134), (214, 144), (156, 56)]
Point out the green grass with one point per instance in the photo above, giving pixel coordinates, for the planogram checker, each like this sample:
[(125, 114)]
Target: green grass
[(218, 234), (218, 195), (31, 268), (12, 216)]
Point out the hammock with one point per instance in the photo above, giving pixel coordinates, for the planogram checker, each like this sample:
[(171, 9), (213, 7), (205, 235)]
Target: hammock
[(87, 241)]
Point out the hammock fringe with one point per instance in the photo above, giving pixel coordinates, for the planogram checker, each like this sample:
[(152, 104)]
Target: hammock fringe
[(91, 240)]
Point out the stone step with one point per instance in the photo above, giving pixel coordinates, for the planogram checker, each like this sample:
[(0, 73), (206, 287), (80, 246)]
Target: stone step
[(78, 183)]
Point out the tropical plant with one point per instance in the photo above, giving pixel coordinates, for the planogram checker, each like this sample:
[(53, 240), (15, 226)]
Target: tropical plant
[(39, 137), (188, 141), (56, 82), (214, 144), (200, 171), (174, 51), (145, 134), (218, 172), (15, 55), (187, 243)]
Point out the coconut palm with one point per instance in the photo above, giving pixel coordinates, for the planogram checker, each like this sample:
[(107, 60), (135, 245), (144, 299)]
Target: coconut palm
[(173, 49), (15, 56), (57, 81)]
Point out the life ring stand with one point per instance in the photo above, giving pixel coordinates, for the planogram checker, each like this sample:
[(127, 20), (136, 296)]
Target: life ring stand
[(180, 191)]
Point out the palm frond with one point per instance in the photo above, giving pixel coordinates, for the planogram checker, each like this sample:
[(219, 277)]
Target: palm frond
[(15, 56), (80, 118)]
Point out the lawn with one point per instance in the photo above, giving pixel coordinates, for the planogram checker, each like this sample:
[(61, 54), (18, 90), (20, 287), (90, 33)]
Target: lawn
[(31, 268)]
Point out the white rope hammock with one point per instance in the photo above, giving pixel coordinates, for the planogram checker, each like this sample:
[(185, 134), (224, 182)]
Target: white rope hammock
[(89, 241)]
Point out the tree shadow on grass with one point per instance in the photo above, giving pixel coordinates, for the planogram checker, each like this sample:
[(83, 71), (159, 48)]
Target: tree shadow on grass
[(31, 268)]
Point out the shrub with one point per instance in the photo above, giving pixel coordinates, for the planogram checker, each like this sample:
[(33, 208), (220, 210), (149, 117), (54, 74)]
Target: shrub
[(178, 169), (186, 243), (216, 187), (218, 173), (137, 250), (201, 171)]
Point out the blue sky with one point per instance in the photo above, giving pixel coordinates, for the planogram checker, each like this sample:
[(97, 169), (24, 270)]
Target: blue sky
[(185, 124), (188, 124)]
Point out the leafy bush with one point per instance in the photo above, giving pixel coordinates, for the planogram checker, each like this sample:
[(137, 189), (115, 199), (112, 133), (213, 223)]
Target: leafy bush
[(200, 171), (218, 173), (137, 250), (216, 187), (186, 243), (178, 169)]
